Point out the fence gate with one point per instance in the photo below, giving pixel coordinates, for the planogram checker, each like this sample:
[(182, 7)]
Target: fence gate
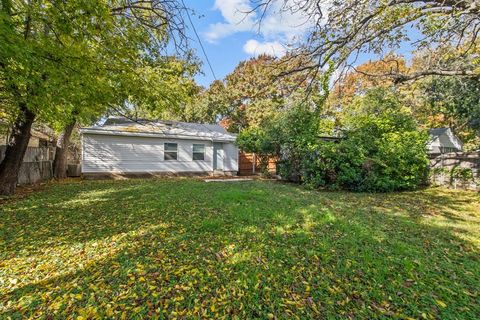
[(249, 164)]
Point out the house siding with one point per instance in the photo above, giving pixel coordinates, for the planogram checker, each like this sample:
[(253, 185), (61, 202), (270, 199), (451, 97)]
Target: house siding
[(230, 161), (132, 154)]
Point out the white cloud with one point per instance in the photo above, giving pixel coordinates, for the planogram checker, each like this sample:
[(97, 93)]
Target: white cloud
[(278, 25), (237, 19), (284, 23), (234, 11), (255, 48)]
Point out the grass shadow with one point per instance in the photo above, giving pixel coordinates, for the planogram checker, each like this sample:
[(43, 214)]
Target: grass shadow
[(161, 248)]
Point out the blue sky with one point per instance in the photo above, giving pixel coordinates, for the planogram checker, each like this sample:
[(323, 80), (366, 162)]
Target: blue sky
[(230, 36)]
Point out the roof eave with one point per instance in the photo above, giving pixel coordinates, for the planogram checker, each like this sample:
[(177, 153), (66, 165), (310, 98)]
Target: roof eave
[(157, 135)]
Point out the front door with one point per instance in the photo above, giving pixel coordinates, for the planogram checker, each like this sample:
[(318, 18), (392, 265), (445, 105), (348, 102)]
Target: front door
[(217, 156)]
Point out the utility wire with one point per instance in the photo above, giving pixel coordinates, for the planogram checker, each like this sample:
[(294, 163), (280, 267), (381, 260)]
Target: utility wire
[(199, 41)]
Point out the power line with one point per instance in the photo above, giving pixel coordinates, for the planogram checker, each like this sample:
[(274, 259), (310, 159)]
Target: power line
[(199, 41)]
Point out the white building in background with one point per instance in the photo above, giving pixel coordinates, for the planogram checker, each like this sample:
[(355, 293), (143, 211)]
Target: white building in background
[(442, 140), (123, 146)]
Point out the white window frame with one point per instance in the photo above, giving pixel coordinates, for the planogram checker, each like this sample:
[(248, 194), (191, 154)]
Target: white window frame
[(165, 151), (196, 152)]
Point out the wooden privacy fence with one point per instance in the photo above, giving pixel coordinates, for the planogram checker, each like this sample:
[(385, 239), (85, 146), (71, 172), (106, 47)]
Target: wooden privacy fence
[(36, 166), (249, 164)]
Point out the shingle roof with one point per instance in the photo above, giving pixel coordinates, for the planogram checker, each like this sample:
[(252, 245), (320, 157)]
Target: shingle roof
[(174, 129), (437, 131)]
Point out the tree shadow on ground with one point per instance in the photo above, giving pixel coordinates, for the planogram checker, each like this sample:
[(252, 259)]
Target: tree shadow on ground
[(186, 248)]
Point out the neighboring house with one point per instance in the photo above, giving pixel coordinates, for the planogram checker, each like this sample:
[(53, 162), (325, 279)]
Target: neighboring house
[(37, 139), (442, 140), (37, 161), (163, 147)]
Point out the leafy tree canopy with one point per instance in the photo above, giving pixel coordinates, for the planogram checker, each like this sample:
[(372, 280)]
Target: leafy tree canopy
[(60, 59), (434, 101), (260, 88), (64, 61), (340, 30), (382, 149)]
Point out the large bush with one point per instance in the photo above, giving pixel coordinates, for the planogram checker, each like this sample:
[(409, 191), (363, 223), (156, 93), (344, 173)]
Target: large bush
[(259, 141), (382, 150), (286, 136)]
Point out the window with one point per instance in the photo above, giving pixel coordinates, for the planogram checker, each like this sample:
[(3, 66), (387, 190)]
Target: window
[(198, 151), (170, 152), (448, 149)]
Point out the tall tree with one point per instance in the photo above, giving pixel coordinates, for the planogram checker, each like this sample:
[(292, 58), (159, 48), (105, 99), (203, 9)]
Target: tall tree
[(364, 77), (340, 30), (258, 89), (174, 90), (61, 58), (354, 83), (158, 90), (434, 101), (59, 164), (448, 102)]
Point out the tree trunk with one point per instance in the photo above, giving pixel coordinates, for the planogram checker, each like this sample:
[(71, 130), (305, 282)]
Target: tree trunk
[(15, 151), (61, 152)]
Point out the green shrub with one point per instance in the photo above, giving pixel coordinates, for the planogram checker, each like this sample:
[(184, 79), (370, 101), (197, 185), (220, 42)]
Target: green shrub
[(382, 151), (258, 141), (463, 174)]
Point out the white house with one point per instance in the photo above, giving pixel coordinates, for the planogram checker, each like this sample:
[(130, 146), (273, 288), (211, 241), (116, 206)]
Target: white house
[(122, 146), (442, 140)]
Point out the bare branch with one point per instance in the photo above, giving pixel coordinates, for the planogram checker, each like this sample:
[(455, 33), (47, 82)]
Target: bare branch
[(344, 29), (401, 77)]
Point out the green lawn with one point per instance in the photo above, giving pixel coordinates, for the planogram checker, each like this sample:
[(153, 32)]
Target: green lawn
[(185, 248)]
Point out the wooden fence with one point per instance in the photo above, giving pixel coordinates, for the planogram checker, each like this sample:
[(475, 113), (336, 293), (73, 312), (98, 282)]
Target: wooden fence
[(36, 166), (249, 164)]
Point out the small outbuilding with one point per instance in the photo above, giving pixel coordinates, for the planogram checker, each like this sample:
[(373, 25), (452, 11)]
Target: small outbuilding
[(123, 146), (442, 140)]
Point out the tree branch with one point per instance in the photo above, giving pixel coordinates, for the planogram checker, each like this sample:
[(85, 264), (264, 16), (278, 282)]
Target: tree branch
[(398, 77)]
